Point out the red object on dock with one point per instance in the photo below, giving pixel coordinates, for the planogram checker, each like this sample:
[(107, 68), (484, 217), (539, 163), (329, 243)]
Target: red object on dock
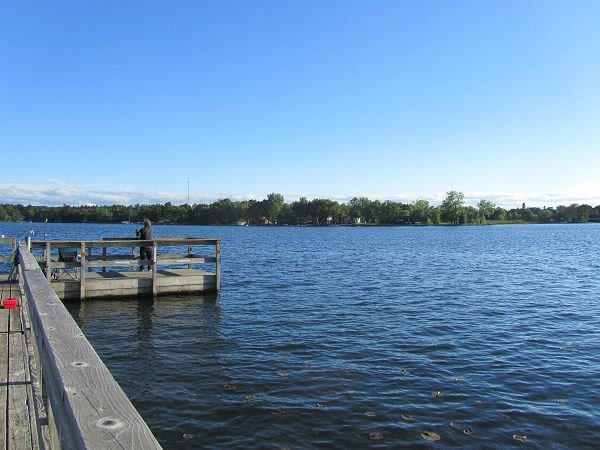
[(10, 303)]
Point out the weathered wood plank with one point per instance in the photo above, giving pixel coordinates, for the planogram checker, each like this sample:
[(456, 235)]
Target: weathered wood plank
[(218, 264), (14, 323), (19, 421), (162, 259), (119, 262), (154, 271), (82, 271), (47, 259), (4, 315), (23, 395), (107, 257), (40, 429), (170, 242), (166, 259), (184, 285), (193, 278), (128, 283), (34, 395), (90, 409), (182, 255), (123, 293)]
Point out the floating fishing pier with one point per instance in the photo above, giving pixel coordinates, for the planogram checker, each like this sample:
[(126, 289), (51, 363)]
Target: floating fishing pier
[(80, 270), (55, 391)]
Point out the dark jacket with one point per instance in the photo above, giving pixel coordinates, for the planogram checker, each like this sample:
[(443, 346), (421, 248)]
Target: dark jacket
[(146, 233)]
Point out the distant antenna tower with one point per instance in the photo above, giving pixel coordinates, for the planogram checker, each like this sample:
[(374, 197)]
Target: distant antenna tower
[(188, 183)]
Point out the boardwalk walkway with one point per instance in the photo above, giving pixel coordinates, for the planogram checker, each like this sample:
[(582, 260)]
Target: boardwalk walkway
[(19, 419), (81, 406)]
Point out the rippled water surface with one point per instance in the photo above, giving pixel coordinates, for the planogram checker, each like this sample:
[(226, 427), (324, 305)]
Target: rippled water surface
[(367, 337)]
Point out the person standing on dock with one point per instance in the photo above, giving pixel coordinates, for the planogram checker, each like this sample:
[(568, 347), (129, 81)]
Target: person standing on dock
[(145, 234)]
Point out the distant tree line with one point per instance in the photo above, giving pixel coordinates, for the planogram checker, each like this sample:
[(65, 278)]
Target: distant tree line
[(274, 210)]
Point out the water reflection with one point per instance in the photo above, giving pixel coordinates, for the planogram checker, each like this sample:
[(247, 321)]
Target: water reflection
[(145, 325)]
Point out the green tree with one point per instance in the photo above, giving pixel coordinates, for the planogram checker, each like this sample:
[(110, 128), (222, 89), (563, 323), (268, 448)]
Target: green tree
[(452, 207), (584, 212), (470, 215), (528, 215), (546, 215), (300, 211), (486, 209), (274, 206), (359, 208), (10, 213), (390, 212), (434, 216), (499, 214), (323, 210), (258, 212), (224, 212), (419, 211)]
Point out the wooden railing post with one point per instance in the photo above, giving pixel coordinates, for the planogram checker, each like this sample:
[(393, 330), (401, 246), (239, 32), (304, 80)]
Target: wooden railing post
[(47, 259), (82, 270), (134, 267), (218, 265), (154, 269)]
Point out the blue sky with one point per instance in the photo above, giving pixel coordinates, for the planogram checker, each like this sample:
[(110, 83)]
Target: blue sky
[(124, 102)]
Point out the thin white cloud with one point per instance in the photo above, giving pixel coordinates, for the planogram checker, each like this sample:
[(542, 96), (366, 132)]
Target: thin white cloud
[(58, 192)]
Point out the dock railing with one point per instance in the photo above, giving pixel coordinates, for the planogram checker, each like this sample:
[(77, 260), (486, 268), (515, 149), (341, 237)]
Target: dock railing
[(121, 254), (84, 405), (7, 254), (8, 247)]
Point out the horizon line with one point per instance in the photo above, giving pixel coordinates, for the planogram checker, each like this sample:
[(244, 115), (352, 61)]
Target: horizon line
[(14, 194)]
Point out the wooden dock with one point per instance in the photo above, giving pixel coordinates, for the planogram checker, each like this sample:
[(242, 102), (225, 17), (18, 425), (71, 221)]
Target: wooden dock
[(55, 391), (19, 422), (111, 267)]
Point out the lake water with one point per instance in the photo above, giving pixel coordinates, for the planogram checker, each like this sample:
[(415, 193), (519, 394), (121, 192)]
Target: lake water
[(365, 338)]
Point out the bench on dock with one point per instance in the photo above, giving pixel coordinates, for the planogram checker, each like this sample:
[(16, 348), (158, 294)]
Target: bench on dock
[(69, 256), (111, 268), (56, 390)]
